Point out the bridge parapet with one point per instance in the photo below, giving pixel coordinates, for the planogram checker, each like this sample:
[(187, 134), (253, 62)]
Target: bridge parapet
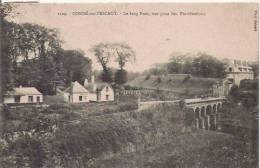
[(204, 100)]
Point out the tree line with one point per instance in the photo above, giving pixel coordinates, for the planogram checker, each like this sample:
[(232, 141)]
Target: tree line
[(200, 64)]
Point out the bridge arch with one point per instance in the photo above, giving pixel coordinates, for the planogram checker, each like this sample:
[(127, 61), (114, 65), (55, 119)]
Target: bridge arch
[(214, 108), (202, 110), (219, 107), (197, 112), (208, 109)]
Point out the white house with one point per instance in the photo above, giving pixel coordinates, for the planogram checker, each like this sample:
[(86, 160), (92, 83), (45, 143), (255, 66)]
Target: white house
[(76, 93), (99, 92), (238, 70), (104, 92), (23, 95)]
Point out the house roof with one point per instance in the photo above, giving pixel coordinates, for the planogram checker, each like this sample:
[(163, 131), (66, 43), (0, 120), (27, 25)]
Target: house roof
[(96, 86), (76, 87), (24, 91), (91, 87), (238, 66), (100, 86)]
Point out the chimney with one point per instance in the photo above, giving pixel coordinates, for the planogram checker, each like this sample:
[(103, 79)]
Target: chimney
[(92, 79), (86, 82)]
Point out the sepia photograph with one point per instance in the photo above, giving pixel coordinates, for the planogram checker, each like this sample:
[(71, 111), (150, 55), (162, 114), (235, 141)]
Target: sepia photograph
[(129, 85)]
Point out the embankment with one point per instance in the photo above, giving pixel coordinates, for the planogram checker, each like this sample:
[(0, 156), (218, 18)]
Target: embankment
[(108, 136)]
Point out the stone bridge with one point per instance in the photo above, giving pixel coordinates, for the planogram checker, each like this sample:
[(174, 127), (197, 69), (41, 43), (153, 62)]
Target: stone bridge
[(206, 110)]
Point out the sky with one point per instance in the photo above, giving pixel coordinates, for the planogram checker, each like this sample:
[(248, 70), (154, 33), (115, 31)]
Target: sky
[(222, 30)]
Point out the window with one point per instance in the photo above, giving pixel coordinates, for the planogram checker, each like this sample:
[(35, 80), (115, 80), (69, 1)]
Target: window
[(230, 69), (17, 99), (30, 98), (38, 99), (107, 97), (80, 98), (107, 89)]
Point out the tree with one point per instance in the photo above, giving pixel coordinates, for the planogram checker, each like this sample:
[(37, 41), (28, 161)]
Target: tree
[(180, 63), (38, 48), (208, 66), (77, 67), (103, 53), (5, 60), (123, 54), (234, 94), (121, 76)]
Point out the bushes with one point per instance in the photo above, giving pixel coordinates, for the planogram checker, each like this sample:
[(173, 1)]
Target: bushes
[(104, 136), (189, 117), (25, 152), (97, 137), (92, 138), (128, 107)]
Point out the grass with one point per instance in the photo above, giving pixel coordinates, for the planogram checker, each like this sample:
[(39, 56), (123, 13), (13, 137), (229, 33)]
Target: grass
[(179, 84), (94, 137), (200, 149)]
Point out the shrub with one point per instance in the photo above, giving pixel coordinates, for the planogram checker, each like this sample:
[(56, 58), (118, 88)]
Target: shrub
[(189, 117), (6, 113), (58, 106), (128, 107)]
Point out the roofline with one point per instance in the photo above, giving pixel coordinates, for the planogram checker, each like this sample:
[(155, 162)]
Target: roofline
[(77, 92), (21, 94)]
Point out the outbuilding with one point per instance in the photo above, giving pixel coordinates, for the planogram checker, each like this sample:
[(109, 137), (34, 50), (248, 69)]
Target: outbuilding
[(76, 93), (21, 95)]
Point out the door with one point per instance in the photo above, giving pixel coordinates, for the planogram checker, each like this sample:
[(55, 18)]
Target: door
[(38, 99)]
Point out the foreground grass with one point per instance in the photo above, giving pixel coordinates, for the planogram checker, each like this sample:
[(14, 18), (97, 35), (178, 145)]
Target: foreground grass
[(200, 149)]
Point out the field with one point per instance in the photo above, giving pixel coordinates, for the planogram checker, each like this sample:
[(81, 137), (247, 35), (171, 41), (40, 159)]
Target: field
[(180, 84)]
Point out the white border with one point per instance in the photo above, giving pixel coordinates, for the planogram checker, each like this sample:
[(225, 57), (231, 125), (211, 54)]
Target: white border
[(136, 1)]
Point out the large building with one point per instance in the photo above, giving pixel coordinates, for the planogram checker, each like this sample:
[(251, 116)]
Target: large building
[(238, 70), (23, 95)]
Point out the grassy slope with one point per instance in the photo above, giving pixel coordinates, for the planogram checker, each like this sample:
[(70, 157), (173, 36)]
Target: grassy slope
[(200, 149), (175, 83)]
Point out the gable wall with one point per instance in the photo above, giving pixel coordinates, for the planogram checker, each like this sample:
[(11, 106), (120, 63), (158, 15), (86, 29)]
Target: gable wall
[(110, 94)]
